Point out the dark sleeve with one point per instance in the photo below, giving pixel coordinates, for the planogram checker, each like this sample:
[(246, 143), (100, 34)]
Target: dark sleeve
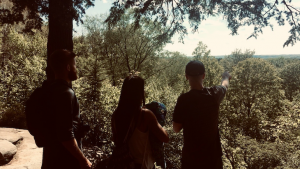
[(219, 93), (63, 116), (178, 115)]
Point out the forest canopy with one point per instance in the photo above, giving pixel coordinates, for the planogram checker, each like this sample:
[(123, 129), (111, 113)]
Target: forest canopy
[(237, 13), (166, 14)]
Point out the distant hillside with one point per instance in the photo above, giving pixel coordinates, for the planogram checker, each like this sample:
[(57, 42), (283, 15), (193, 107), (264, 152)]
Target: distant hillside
[(270, 56)]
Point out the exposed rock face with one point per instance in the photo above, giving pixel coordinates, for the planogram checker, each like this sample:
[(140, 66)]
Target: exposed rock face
[(7, 151), (28, 155), (10, 135)]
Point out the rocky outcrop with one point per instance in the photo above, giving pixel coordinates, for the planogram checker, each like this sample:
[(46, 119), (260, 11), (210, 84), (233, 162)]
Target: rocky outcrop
[(28, 155), (10, 135), (7, 151)]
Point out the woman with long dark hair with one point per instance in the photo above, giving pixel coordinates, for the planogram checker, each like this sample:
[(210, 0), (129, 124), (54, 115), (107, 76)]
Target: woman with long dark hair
[(130, 115)]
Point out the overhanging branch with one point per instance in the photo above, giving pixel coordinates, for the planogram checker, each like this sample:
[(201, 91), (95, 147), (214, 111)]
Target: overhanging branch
[(291, 12)]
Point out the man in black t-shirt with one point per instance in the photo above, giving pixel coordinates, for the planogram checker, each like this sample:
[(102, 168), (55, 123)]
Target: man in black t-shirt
[(196, 112), (64, 152)]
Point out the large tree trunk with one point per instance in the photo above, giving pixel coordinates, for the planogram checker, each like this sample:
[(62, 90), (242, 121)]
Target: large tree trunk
[(60, 29)]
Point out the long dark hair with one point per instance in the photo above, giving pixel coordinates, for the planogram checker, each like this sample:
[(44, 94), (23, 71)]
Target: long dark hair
[(131, 99)]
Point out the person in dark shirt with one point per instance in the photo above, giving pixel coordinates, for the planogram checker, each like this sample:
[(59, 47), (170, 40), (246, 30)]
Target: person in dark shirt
[(196, 112), (64, 152)]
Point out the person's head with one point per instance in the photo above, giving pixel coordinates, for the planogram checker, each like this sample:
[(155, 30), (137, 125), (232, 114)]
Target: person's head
[(195, 72), (132, 93), (62, 63), (129, 107)]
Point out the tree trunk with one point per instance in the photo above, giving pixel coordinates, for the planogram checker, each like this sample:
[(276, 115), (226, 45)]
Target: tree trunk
[(60, 29)]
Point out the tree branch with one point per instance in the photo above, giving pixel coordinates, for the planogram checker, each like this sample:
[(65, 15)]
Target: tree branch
[(270, 8), (290, 11), (293, 8)]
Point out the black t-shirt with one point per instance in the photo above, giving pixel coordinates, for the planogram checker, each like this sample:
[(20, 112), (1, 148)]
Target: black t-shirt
[(197, 111), (66, 111), (65, 118)]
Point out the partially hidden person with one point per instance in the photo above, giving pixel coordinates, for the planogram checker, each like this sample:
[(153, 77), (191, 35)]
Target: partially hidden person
[(157, 146), (196, 112), (64, 150), (131, 124)]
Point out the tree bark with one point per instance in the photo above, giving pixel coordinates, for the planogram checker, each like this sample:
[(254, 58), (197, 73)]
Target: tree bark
[(60, 29)]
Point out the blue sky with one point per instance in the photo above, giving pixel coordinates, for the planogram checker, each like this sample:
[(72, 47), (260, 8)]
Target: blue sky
[(214, 33)]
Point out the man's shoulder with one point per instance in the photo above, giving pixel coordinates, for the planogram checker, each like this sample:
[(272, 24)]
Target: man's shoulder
[(196, 93), (60, 89), (190, 94), (184, 96), (218, 92)]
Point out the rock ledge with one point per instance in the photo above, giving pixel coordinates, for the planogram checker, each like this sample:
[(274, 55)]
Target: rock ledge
[(27, 155)]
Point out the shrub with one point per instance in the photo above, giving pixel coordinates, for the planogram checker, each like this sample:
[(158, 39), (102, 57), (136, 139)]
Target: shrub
[(22, 72), (14, 117)]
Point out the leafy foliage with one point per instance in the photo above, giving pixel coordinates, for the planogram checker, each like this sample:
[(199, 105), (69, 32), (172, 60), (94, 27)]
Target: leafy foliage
[(281, 62), (36, 9), (253, 119), (131, 50), (201, 50), (229, 62), (173, 73), (291, 80), (213, 69), (252, 102), (22, 71), (238, 13)]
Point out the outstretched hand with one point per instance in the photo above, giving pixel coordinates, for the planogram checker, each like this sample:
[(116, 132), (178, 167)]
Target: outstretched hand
[(225, 79), (226, 75)]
